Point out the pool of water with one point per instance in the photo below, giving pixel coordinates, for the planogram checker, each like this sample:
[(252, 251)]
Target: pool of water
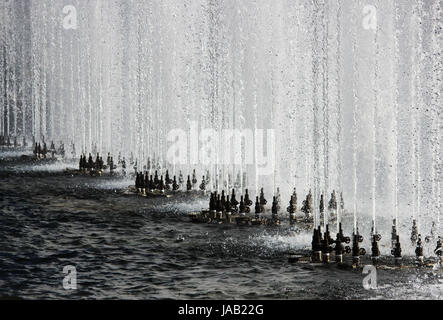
[(125, 247)]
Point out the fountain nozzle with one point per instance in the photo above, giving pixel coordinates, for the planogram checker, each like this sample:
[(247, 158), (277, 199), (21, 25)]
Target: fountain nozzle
[(316, 246), (292, 208), (414, 232), (396, 252), (439, 250), (394, 233), (375, 250), (419, 251), (356, 250)]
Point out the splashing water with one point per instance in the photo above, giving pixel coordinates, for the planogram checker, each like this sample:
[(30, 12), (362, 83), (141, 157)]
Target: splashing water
[(354, 112)]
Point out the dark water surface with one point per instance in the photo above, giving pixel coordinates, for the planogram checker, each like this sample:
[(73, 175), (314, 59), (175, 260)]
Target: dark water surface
[(125, 247)]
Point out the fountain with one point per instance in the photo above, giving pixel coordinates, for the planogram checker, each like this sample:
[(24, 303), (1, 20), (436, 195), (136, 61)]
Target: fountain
[(280, 93)]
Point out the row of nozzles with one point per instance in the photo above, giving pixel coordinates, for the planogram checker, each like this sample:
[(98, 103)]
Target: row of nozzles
[(323, 245)]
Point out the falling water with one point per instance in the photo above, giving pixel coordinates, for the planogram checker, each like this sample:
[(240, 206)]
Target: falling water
[(374, 127), (436, 155), (354, 120), (396, 81), (338, 103), (416, 106), (131, 72)]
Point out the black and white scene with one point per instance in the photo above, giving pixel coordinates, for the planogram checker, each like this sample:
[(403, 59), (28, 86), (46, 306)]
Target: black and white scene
[(221, 150)]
